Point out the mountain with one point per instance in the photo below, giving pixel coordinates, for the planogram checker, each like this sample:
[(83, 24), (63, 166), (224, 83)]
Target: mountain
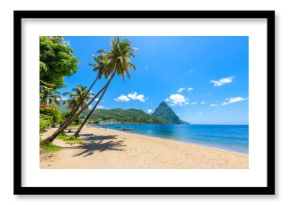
[(166, 115), (162, 115), (121, 116)]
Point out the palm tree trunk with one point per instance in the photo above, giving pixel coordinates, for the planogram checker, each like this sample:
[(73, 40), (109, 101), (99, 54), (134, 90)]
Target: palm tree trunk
[(76, 108), (76, 134), (71, 119), (68, 122)]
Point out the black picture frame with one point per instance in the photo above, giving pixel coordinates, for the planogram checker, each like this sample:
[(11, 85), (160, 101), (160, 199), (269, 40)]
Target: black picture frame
[(268, 190)]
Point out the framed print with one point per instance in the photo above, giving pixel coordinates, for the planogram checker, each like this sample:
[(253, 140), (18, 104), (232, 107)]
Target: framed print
[(144, 102)]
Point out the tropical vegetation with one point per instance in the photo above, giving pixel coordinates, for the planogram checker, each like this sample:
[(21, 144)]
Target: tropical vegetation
[(120, 116), (108, 64)]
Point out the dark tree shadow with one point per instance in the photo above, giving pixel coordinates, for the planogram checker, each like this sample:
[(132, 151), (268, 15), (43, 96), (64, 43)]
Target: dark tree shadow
[(99, 143), (86, 135), (100, 137)]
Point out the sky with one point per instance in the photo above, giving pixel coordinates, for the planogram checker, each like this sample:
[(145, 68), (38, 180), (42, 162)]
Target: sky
[(204, 79)]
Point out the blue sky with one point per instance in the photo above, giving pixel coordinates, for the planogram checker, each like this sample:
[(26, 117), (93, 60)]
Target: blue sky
[(203, 78)]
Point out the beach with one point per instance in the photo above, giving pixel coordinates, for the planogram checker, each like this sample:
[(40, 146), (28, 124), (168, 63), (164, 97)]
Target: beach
[(111, 149)]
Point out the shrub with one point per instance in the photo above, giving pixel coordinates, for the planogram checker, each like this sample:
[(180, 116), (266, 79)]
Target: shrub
[(55, 113), (44, 122)]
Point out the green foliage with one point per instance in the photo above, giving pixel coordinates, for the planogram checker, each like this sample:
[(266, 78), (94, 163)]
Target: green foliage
[(48, 95), (166, 115), (70, 139), (56, 60), (122, 116), (50, 147), (119, 58), (77, 121), (54, 113), (78, 97), (111, 62), (44, 122)]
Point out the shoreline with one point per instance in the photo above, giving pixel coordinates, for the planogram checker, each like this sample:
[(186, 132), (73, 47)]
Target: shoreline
[(174, 140), (113, 149)]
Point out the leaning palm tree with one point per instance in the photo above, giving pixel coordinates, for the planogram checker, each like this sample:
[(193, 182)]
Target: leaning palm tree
[(77, 95), (77, 109), (117, 60), (108, 63)]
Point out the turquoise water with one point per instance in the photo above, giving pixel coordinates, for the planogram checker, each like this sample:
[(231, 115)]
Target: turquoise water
[(228, 137)]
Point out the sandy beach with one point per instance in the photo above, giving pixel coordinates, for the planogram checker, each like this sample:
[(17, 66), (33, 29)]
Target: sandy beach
[(110, 149)]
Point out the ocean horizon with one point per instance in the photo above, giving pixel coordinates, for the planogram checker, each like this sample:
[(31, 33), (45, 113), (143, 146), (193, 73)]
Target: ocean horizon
[(228, 137)]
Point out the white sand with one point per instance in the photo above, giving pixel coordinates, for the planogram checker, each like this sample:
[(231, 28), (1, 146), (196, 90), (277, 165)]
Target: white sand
[(119, 150)]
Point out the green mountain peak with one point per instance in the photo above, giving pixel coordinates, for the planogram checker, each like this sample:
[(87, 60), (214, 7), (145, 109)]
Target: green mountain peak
[(165, 114)]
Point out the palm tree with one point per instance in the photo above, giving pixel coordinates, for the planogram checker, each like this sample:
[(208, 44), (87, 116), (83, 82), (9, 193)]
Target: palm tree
[(107, 64), (71, 119), (77, 95), (76, 111), (48, 96), (117, 60)]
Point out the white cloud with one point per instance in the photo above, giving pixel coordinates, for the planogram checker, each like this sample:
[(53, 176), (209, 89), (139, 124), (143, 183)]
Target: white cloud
[(122, 98), (149, 111), (200, 113), (184, 89), (194, 103), (177, 99), (202, 102), (100, 106), (130, 96), (96, 99), (180, 90), (213, 105), (135, 96), (222, 81), (233, 100)]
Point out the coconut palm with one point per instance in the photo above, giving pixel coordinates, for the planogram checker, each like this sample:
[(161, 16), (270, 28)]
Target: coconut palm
[(76, 110), (76, 96), (48, 96), (115, 61), (108, 63)]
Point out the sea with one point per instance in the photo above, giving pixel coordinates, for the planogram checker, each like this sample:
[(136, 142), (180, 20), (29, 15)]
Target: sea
[(228, 137)]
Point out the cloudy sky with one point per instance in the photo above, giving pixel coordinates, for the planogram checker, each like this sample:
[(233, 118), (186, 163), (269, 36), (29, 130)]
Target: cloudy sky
[(203, 79)]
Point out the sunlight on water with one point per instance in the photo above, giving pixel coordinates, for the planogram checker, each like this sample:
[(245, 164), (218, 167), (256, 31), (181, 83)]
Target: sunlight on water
[(229, 137)]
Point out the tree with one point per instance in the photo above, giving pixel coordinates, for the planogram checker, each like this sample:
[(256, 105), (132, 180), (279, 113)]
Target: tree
[(115, 61), (48, 96), (56, 60), (75, 112), (99, 67), (69, 120), (107, 63), (77, 95)]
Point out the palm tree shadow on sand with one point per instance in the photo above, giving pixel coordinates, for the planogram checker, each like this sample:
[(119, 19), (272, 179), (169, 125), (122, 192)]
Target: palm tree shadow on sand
[(100, 143)]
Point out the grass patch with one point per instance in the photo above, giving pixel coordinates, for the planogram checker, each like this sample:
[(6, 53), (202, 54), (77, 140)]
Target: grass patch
[(50, 147), (70, 139), (72, 126)]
